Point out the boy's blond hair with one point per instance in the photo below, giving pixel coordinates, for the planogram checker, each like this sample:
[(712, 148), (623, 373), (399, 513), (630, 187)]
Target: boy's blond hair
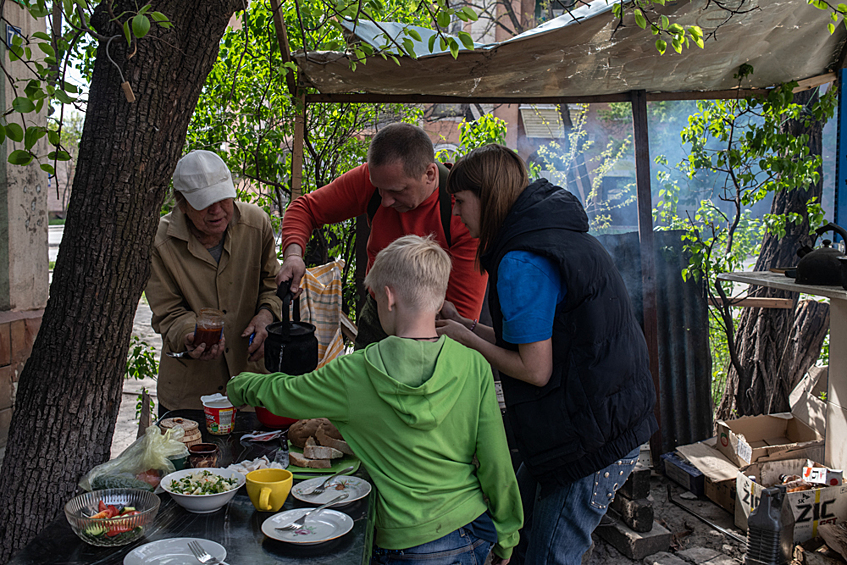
[(416, 268)]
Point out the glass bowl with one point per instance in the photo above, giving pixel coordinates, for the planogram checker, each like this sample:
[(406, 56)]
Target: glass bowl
[(117, 531)]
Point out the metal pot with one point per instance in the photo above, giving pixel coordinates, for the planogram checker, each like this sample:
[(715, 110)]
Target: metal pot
[(291, 347), (821, 266)]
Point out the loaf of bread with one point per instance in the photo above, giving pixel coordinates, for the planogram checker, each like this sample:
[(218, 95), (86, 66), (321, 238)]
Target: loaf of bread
[(302, 430), (301, 461)]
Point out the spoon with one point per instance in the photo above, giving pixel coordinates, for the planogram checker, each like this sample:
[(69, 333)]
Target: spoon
[(180, 355)]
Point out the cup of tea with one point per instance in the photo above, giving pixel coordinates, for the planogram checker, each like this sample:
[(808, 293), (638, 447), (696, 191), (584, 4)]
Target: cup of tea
[(202, 455), (268, 488), (209, 327)]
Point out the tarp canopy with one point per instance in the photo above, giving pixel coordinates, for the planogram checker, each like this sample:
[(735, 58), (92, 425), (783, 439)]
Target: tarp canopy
[(583, 54)]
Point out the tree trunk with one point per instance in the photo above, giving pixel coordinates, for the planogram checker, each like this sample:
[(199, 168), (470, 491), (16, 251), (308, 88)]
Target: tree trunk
[(69, 392), (762, 333), (811, 323)]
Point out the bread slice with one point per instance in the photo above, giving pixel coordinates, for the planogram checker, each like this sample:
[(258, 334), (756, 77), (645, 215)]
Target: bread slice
[(328, 441), (314, 451), (301, 461)]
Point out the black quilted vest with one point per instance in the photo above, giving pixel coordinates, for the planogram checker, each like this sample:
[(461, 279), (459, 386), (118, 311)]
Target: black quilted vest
[(598, 405)]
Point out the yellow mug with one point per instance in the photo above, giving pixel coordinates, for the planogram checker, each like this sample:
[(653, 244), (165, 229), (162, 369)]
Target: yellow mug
[(268, 488)]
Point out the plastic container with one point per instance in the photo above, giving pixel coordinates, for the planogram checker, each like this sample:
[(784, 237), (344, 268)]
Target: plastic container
[(770, 530), (220, 414), (271, 420)]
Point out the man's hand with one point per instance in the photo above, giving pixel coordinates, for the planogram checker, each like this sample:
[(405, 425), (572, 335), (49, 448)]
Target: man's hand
[(258, 329), (200, 352), (293, 268)]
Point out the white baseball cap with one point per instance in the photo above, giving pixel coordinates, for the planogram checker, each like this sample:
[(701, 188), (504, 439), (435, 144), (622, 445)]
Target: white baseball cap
[(203, 178)]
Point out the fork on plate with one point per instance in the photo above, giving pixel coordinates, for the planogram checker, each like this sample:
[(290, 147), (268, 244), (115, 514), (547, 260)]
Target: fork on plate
[(202, 555), (301, 521), (318, 489)]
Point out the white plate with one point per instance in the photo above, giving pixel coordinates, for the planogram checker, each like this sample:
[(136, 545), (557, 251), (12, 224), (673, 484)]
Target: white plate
[(325, 526), (173, 551), (355, 488)]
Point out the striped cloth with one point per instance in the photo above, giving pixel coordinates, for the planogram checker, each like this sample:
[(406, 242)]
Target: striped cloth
[(320, 305)]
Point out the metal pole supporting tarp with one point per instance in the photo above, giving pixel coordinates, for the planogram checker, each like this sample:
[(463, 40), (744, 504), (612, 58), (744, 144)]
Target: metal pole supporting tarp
[(840, 213), (648, 258)]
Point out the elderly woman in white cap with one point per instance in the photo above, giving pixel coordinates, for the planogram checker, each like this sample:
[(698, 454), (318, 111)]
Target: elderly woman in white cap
[(210, 252)]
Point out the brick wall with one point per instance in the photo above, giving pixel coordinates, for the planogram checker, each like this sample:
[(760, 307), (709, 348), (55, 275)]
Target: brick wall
[(17, 334)]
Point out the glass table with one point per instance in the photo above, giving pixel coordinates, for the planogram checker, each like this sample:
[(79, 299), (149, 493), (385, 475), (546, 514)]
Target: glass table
[(237, 526)]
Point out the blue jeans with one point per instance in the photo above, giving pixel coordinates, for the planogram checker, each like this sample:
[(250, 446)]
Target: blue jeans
[(557, 528), (459, 547)]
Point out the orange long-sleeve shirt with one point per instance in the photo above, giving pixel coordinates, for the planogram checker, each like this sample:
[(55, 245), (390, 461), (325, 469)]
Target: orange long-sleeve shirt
[(348, 196)]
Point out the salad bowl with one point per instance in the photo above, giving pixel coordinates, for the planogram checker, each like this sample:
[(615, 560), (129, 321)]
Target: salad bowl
[(202, 490)]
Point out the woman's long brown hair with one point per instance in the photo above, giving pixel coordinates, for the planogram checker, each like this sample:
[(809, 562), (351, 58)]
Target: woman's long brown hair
[(497, 176)]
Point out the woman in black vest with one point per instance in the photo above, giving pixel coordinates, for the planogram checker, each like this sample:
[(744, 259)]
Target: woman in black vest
[(573, 358)]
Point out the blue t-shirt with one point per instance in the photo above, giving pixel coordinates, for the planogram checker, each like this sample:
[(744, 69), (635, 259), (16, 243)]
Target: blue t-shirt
[(530, 287)]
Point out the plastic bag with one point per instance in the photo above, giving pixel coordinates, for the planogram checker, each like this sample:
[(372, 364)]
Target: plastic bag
[(141, 465)]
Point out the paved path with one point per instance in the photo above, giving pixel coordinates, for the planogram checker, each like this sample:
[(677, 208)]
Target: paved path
[(126, 427)]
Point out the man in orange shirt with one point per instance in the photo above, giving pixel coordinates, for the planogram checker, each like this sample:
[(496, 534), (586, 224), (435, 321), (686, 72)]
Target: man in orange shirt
[(399, 189)]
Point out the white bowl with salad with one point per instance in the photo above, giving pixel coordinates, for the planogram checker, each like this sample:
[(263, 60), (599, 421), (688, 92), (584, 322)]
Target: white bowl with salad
[(203, 490)]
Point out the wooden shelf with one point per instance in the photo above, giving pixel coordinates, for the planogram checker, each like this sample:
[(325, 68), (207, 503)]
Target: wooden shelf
[(780, 281)]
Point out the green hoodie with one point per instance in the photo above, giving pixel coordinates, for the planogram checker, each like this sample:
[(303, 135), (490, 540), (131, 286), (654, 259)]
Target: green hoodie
[(416, 413)]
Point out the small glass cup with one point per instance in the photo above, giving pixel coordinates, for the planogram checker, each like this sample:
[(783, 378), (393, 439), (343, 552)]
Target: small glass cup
[(203, 455), (209, 327)]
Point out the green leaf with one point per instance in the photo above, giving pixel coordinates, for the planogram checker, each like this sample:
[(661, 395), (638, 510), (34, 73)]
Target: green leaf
[(831, 28), (15, 132), (19, 157), (127, 33), (64, 98), (23, 105), (842, 8), (415, 35), (2, 134), (47, 48), (33, 134), (53, 137), (640, 20), (454, 47), (661, 46), (41, 35), (432, 43), (59, 155), (140, 26), (159, 17), (466, 40), (443, 19), (48, 169), (470, 13)]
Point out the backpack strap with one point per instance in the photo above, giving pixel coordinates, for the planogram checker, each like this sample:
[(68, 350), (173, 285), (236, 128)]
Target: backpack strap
[(445, 203)]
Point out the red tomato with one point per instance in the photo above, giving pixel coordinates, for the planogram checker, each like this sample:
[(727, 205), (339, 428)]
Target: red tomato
[(101, 506)]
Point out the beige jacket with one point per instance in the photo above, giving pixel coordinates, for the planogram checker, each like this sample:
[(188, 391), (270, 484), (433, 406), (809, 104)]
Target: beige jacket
[(185, 278)]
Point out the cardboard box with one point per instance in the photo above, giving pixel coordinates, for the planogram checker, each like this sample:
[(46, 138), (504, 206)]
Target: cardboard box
[(719, 473), (683, 473), (818, 474), (795, 435), (753, 439), (812, 508)]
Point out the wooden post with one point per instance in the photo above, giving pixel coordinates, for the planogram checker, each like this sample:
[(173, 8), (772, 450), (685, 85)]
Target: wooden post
[(297, 150), (285, 52), (648, 257)]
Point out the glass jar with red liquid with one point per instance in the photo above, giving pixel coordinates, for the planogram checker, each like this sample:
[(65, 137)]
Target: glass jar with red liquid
[(209, 327)]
